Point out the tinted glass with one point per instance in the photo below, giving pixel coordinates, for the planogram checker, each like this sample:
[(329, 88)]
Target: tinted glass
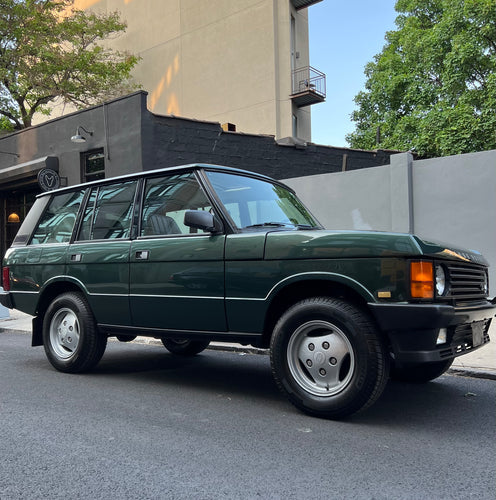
[(31, 221), (57, 223), (166, 201), (108, 213)]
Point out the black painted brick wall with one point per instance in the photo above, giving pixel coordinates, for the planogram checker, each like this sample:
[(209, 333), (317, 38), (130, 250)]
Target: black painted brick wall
[(169, 141)]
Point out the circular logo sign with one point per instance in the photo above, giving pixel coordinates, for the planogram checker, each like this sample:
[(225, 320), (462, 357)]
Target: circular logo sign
[(48, 179)]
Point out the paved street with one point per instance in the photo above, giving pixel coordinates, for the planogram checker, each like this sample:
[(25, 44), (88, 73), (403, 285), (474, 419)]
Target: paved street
[(146, 424)]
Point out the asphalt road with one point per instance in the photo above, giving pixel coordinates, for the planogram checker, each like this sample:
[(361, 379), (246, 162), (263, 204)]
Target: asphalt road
[(148, 425)]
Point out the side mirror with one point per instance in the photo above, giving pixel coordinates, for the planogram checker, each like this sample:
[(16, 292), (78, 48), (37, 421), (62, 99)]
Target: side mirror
[(200, 219)]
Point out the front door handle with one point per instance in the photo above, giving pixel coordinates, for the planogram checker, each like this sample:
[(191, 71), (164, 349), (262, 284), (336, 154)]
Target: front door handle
[(142, 255)]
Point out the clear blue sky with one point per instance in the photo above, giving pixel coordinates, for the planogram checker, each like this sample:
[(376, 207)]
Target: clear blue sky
[(344, 36)]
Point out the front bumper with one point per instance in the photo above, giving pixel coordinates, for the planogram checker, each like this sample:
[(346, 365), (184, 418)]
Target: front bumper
[(413, 330)]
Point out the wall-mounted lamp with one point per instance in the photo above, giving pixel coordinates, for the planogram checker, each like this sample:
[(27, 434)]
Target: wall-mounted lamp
[(78, 137), (13, 218)]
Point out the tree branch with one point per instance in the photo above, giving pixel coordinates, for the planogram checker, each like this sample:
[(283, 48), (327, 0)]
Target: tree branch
[(10, 116)]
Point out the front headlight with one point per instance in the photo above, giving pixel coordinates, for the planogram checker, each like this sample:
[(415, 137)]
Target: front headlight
[(485, 284), (441, 284)]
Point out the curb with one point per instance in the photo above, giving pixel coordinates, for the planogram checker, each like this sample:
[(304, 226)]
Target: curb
[(472, 373)]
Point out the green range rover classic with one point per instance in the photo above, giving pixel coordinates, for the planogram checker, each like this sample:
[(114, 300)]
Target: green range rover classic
[(203, 253)]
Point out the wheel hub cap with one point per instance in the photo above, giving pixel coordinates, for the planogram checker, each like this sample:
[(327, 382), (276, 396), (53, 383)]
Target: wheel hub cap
[(320, 358), (64, 333)]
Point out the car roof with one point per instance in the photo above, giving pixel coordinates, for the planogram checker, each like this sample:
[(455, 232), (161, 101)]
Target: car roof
[(167, 170)]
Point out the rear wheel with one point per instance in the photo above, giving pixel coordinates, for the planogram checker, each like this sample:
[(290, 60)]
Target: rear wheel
[(185, 347), (70, 337), (420, 374), (328, 358)]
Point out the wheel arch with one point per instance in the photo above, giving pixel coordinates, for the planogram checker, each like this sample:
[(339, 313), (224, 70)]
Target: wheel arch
[(50, 290), (291, 291)]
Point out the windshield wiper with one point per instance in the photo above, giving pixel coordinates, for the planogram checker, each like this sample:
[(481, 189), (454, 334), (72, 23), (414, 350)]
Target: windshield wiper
[(270, 224), (281, 224)]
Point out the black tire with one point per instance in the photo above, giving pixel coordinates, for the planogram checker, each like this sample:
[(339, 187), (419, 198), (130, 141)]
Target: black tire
[(328, 358), (126, 338), (185, 347), (70, 335), (420, 374)]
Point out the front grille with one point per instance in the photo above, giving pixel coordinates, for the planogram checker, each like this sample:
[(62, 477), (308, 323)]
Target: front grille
[(468, 282)]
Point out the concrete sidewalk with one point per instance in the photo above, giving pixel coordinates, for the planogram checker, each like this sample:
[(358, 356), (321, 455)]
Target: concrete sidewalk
[(480, 363)]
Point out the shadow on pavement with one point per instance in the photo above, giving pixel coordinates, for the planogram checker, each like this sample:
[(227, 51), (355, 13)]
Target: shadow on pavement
[(249, 377)]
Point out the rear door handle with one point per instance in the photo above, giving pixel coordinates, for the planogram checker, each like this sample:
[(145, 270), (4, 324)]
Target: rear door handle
[(142, 255), (76, 257)]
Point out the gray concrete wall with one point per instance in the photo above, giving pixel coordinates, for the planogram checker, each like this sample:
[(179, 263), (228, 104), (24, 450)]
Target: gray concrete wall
[(450, 199)]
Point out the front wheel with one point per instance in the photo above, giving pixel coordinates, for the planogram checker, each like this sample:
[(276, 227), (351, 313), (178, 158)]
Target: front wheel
[(185, 347), (328, 358), (70, 336)]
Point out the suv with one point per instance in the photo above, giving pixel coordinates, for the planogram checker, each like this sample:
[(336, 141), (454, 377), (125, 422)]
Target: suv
[(203, 253)]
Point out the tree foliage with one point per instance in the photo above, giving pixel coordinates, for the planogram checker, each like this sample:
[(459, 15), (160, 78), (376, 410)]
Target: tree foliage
[(432, 89), (50, 50)]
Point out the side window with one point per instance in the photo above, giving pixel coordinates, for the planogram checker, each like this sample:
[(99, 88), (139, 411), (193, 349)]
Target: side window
[(108, 212), (57, 222), (166, 201)]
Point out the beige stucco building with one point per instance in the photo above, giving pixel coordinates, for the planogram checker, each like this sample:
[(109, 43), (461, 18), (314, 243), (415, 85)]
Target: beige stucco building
[(243, 62)]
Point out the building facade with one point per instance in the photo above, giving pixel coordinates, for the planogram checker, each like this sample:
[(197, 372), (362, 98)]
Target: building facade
[(243, 63), (124, 136)]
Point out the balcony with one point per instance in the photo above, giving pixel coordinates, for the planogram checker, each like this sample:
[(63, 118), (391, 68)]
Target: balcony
[(302, 4), (309, 86)]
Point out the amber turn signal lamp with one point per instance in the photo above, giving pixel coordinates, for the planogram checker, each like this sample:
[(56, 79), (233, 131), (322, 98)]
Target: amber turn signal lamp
[(422, 280)]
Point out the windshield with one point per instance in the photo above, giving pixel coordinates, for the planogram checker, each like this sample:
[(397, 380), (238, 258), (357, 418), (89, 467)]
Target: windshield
[(254, 203)]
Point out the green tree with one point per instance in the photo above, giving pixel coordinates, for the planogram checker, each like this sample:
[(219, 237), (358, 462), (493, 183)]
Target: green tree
[(432, 89), (49, 50)]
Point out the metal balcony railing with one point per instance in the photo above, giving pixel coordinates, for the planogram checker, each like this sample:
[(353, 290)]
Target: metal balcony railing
[(309, 86)]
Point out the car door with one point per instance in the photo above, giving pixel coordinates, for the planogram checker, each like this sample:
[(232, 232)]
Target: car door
[(176, 272), (99, 257)]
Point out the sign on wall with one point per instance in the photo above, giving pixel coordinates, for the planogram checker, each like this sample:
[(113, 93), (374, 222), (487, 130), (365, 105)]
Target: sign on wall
[(48, 179)]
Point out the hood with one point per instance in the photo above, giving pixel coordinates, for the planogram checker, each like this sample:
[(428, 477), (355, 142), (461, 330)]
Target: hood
[(440, 250), (322, 244)]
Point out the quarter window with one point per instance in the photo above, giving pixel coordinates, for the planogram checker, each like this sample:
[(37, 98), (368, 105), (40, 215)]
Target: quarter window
[(57, 223)]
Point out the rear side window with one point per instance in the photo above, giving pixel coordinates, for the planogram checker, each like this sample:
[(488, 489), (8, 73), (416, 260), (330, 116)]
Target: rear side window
[(31, 221), (57, 222), (108, 212)]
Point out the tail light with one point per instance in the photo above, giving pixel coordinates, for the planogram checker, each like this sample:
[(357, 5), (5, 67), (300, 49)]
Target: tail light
[(6, 279)]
